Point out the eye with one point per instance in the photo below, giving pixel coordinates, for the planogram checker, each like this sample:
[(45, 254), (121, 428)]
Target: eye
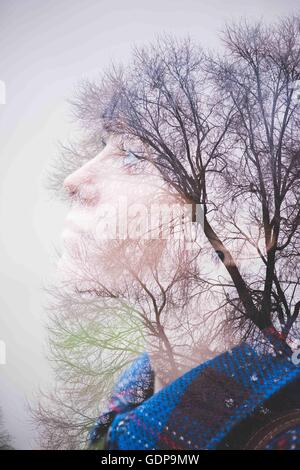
[(130, 159)]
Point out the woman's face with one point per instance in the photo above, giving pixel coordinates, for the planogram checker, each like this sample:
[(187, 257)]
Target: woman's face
[(110, 199)]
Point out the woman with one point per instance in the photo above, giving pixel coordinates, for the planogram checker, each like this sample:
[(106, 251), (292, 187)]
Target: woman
[(237, 399)]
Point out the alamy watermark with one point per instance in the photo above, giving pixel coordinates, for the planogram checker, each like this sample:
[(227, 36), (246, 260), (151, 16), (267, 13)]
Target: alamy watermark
[(2, 353), (296, 357), (155, 221), (295, 87), (2, 92)]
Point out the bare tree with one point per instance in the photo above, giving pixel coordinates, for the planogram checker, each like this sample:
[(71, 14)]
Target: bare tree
[(5, 439), (95, 333), (159, 285), (259, 78), (89, 345), (221, 132)]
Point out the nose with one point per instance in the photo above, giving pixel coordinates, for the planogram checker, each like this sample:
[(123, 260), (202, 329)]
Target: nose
[(80, 179), (70, 188)]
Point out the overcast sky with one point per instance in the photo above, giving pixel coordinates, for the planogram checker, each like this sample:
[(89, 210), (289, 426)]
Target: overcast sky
[(46, 48)]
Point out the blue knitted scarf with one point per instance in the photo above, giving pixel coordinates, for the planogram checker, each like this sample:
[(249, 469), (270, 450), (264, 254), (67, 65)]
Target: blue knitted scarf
[(197, 410)]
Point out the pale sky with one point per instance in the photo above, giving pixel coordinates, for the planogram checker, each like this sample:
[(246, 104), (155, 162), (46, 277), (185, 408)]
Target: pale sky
[(46, 48)]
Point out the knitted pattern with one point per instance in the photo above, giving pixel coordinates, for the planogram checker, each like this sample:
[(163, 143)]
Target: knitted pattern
[(289, 440), (134, 386), (197, 410)]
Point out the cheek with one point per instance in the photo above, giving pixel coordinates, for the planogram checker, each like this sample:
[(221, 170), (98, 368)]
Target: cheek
[(128, 199), (123, 190)]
